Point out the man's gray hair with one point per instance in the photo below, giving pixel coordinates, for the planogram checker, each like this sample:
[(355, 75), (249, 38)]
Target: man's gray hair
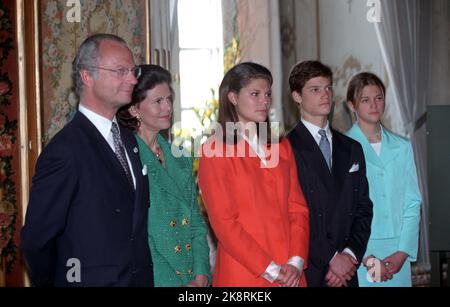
[(87, 57)]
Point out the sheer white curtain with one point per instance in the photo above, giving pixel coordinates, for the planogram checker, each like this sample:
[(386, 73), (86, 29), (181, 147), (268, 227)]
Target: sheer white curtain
[(174, 64), (259, 28), (404, 36), (164, 42), (160, 31)]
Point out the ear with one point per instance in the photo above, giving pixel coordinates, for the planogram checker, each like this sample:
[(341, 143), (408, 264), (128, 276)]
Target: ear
[(232, 97), (297, 97), (133, 111), (86, 77), (351, 107)]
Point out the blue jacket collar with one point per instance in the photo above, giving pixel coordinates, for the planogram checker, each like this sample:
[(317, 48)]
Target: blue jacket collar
[(389, 146)]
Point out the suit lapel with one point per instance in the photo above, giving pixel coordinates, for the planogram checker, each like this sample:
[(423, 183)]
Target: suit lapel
[(98, 141), (176, 173), (133, 153), (341, 160), (142, 187), (307, 146), (390, 149), (369, 153), (161, 174)]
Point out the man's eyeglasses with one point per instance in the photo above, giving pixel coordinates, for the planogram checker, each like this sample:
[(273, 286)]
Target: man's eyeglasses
[(122, 72)]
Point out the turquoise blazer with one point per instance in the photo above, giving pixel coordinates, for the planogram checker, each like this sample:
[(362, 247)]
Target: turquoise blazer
[(176, 228), (396, 198)]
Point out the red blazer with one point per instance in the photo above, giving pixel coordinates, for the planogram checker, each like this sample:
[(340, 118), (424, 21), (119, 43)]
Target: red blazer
[(258, 214)]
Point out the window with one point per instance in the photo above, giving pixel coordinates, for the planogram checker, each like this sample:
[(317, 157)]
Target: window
[(200, 57)]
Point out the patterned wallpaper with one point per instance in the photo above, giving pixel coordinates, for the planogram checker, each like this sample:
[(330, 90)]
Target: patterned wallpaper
[(9, 148), (60, 39)]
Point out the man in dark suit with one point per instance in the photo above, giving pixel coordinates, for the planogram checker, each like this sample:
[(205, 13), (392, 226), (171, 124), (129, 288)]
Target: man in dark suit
[(332, 174), (86, 221)]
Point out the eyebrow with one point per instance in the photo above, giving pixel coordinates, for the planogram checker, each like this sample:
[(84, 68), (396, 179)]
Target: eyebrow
[(256, 90), (375, 95), (312, 86), (162, 97), (379, 95)]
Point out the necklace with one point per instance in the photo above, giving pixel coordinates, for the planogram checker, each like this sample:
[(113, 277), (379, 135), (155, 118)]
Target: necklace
[(158, 153)]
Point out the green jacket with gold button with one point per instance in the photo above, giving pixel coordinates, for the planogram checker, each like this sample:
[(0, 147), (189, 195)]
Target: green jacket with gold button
[(177, 230)]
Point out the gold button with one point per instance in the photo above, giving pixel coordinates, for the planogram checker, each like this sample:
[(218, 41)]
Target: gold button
[(188, 247), (178, 273), (190, 271), (173, 223), (185, 222), (177, 249)]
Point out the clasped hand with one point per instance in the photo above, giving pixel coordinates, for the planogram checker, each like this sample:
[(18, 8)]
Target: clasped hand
[(289, 276), (342, 269), (384, 270)]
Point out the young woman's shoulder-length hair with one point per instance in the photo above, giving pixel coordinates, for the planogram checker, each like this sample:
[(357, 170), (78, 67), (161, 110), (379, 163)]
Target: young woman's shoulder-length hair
[(234, 80)]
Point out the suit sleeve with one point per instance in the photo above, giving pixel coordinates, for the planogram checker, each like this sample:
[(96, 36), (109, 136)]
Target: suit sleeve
[(411, 210), (298, 215), (199, 233), (54, 185), (222, 206), (360, 229)]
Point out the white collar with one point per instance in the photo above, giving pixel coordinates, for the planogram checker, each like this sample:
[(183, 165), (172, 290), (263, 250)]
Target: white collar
[(102, 124), (314, 130), (256, 146)]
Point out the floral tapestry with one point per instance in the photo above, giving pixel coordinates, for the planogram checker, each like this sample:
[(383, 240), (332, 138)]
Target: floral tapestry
[(61, 37), (9, 149)]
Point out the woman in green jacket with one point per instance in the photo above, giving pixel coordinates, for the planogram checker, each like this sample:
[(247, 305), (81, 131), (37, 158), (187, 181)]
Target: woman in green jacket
[(176, 229)]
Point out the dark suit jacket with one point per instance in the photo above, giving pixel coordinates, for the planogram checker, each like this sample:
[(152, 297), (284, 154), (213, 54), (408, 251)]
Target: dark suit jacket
[(339, 203), (82, 206)]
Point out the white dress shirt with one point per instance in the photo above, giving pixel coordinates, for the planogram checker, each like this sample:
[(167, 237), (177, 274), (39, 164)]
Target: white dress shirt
[(104, 125)]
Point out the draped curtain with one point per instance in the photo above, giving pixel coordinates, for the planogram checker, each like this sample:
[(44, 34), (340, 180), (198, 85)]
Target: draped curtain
[(404, 36)]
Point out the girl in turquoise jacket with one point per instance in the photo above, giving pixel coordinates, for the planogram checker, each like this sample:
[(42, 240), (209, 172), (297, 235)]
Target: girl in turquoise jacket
[(393, 188)]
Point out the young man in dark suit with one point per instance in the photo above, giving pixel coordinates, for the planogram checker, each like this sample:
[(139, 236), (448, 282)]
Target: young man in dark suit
[(332, 174), (86, 221)]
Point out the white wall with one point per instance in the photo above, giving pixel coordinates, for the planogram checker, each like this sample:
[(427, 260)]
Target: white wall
[(349, 45)]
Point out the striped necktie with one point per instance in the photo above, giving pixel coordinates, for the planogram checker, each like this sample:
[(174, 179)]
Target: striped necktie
[(325, 147), (119, 150)]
